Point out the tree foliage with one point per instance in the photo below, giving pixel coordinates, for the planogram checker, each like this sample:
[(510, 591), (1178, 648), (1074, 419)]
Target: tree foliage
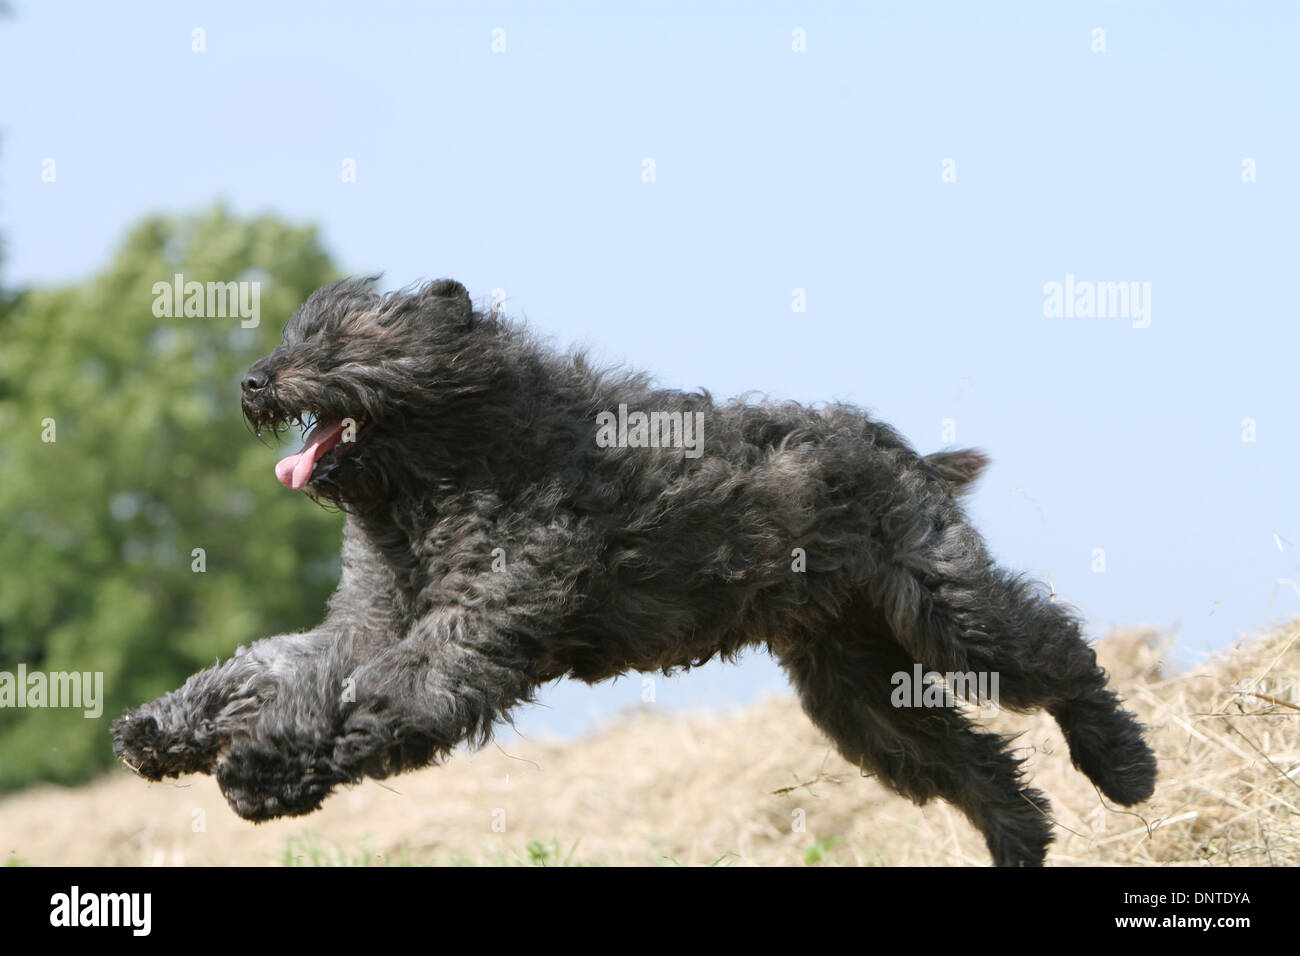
[(150, 461)]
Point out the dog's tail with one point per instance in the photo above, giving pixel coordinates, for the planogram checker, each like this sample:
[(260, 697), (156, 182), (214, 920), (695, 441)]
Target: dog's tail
[(959, 468)]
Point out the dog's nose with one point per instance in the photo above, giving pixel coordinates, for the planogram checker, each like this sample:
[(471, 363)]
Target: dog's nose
[(254, 381)]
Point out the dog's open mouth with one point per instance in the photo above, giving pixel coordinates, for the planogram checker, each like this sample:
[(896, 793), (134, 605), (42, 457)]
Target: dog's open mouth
[(296, 470)]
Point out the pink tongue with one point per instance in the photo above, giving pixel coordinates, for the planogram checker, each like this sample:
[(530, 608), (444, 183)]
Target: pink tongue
[(295, 471)]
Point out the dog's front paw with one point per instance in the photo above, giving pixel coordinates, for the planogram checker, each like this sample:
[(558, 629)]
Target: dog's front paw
[(262, 781), (185, 731), (378, 745), (155, 748)]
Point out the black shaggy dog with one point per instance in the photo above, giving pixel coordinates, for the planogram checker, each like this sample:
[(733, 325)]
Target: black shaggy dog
[(512, 518)]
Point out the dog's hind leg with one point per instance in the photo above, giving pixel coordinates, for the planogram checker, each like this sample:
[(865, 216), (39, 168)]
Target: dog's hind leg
[(1043, 660), (956, 612), (845, 686)]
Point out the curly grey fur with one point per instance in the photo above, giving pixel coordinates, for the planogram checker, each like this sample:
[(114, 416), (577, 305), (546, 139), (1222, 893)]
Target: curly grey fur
[(475, 437)]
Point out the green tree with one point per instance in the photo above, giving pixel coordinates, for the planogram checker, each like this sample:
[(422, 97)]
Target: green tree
[(150, 460)]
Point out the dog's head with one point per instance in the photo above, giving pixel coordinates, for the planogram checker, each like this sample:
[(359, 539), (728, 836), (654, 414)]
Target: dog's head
[(359, 372)]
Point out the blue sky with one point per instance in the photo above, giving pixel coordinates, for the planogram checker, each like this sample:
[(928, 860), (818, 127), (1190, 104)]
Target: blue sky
[(777, 170)]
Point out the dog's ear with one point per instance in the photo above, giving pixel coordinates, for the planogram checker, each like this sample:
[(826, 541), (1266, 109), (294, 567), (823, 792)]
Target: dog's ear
[(959, 468), (449, 300)]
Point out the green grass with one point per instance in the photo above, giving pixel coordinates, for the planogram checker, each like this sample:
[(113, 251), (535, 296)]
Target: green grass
[(820, 852), (308, 850), (729, 858), (538, 853)]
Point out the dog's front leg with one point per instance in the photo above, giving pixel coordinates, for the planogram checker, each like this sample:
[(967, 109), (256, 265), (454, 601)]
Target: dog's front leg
[(455, 674), (402, 707), (186, 730)]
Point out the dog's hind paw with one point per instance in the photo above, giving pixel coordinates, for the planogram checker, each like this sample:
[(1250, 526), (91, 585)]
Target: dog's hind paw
[(1129, 778), (1108, 745)]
